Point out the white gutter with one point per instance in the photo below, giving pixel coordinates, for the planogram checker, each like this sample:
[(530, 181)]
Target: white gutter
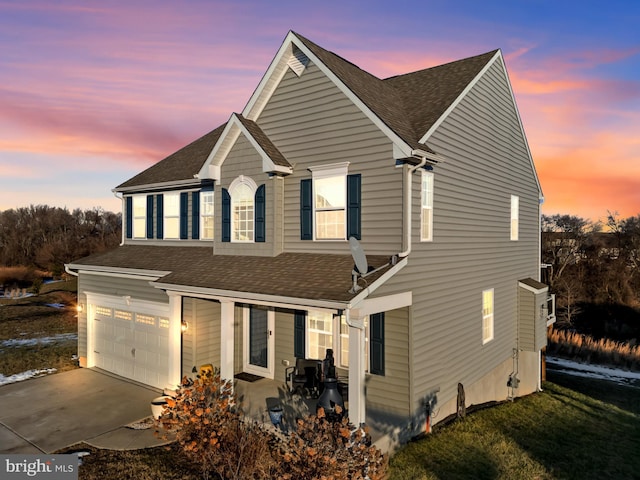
[(66, 269), (407, 206)]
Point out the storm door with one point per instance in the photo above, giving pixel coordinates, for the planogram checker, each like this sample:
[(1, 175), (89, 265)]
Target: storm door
[(258, 345)]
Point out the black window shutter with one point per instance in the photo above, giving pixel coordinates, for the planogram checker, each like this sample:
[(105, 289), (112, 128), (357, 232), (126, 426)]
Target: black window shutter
[(184, 215), (149, 216), (260, 221), (299, 325), (160, 216), (129, 215), (195, 215), (226, 215), (354, 201), (376, 343), (306, 210)]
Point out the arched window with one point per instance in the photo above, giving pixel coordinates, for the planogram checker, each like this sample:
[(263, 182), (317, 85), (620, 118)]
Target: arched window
[(242, 191)]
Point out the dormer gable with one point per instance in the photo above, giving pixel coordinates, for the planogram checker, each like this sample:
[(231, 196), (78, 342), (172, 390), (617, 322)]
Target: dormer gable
[(273, 162)]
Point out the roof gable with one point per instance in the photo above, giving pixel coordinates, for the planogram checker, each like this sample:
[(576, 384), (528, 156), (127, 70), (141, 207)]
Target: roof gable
[(272, 159)]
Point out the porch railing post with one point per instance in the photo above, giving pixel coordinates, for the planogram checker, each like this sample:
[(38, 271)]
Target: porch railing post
[(357, 405)]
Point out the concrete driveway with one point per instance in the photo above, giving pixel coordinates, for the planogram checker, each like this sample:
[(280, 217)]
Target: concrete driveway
[(49, 413)]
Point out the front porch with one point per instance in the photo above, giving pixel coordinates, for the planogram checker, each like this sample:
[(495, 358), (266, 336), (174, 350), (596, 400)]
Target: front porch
[(255, 399)]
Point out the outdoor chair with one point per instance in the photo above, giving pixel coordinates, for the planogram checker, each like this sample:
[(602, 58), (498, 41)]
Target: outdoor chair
[(304, 377)]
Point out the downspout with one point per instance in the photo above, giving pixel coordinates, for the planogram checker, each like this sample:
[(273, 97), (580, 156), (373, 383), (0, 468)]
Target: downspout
[(122, 209), (407, 206)]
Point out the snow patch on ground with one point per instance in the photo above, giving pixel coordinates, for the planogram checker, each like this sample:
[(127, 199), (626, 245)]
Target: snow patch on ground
[(55, 305), (27, 342), (19, 377), (569, 367)]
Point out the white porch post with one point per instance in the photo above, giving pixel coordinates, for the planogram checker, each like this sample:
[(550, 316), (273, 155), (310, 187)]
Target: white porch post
[(357, 405), (227, 318), (175, 340)]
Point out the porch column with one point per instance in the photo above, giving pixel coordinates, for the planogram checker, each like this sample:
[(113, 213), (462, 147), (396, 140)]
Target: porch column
[(175, 340), (227, 318), (357, 405)]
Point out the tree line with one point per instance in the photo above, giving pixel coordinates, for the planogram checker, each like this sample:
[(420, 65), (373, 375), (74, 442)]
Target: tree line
[(592, 267), (46, 238)]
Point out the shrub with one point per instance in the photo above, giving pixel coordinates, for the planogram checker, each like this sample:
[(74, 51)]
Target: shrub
[(322, 449), (211, 431)]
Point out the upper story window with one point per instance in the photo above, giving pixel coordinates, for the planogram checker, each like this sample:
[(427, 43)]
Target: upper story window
[(206, 215), (171, 220), (242, 191), (487, 316), (139, 216), (330, 204), (426, 212), (515, 216)]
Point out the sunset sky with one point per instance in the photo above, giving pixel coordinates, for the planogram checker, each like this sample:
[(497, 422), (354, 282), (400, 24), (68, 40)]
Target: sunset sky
[(92, 92)]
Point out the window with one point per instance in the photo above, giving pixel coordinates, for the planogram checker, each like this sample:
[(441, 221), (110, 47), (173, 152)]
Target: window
[(206, 215), (344, 343), (139, 216), (515, 215), (330, 203), (487, 316), (171, 215), (330, 207), (426, 214), (320, 334), (242, 191)]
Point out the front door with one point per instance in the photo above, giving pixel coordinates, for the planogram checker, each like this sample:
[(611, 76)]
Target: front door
[(259, 340)]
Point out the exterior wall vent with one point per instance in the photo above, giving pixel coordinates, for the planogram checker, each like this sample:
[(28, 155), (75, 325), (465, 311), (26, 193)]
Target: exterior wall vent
[(298, 61)]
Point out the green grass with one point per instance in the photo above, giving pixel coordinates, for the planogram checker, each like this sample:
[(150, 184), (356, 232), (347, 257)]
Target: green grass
[(29, 317), (559, 433)]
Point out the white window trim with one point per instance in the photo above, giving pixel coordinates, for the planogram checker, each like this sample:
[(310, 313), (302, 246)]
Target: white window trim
[(345, 338), (428, 210), (515, 218), (143, 232), (328, 171), (203, 215), (166, 216), (253, 186), (489, 317)]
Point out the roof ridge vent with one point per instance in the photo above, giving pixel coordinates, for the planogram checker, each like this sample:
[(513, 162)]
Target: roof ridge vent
[(298, 61)]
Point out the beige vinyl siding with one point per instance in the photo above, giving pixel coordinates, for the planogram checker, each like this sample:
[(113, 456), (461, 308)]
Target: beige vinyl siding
[(109, 285), (390, 393), (526, 320), (201, 342), (243, 159), (313, 123), (284, 323), (541, 313), (486, 162)]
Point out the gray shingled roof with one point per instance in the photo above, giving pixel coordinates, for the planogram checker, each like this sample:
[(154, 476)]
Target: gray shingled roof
[(408, 104), (181, 165), (311, 276), (265, 142)]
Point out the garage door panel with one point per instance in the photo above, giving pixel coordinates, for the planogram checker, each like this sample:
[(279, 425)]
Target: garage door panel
[(133, 344)]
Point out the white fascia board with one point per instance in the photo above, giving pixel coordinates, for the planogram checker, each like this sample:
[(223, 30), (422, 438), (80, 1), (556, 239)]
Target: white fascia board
[(178, 184), (455, 103), (382, 304), (274, 75), (442, 118), (378, 283), (253, 298), (119, 272), (220, 150), (270, 80)]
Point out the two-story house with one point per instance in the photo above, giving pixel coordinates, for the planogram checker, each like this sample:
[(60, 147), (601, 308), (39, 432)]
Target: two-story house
[(236, 248)]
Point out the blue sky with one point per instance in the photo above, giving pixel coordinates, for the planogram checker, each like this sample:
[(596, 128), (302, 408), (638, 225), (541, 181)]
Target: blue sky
[(93, 92)]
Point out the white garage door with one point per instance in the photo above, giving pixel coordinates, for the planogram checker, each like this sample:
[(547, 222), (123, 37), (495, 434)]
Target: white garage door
[(132, 341)]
